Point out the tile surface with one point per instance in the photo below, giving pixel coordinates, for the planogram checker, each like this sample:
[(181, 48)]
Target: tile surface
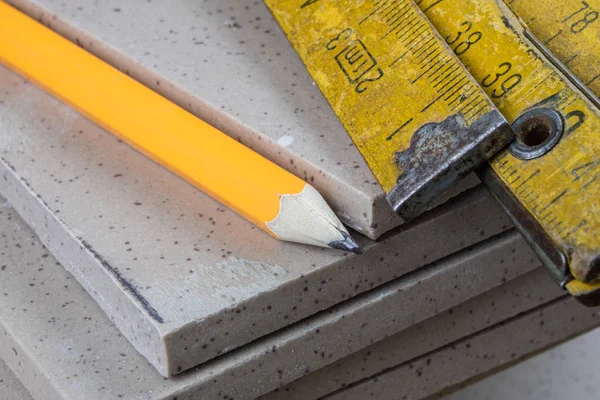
[(10, 387), (477, 354), (66, 348), (569, 370), (228, 62), (519, 295), (182, 277)]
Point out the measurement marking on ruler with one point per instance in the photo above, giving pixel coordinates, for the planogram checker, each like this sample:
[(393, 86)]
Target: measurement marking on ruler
[(445, 78), (592, 80), (409, 32), (527, 195), (431, 6), (397, 22), (404, 18), (442, 76), (411, 35), (554, 200), (373, 13), (552, 220), (398, 130), (425, 71), (466, 113), (590, 182), (439, 61), (444, 93), (458, 89), (536, 173), (480, 109), (571, 59), (537, 84), (430, 57), (464, 97), (392, 21), (410, 48), (409, 23), (406, 22), (553, 37), (424, 48), (559, 223), (503, 164), (574, 230), (443, 61), (390, 11), (390, 6)]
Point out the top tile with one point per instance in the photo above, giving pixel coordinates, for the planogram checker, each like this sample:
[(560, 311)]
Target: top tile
[(228, 62)]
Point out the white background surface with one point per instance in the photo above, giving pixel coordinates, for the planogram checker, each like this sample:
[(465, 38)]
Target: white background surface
[(570, 371)]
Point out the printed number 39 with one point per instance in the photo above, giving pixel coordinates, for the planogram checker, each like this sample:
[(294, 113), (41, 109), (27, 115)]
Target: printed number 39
[(507, 83)]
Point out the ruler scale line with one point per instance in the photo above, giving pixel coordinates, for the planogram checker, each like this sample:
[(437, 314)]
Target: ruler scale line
[(449, 70), (373, 13)]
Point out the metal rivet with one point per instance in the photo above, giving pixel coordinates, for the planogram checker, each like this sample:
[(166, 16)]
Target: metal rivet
[(538, 131)]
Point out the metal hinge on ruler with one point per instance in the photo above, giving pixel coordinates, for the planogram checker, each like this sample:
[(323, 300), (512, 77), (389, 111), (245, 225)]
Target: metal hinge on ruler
[(415, 113), (422, 118)]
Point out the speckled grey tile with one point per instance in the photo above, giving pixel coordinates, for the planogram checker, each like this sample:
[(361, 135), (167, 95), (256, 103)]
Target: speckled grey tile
[(228, 62), (65, 347), (567, 371), (184, 278), (519, 295), (475, 355), (10, 387)]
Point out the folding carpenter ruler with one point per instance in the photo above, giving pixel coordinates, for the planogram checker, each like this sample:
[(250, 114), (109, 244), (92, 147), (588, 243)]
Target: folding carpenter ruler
[(414, 112), (570, 29), (425, 90), (570, 34)]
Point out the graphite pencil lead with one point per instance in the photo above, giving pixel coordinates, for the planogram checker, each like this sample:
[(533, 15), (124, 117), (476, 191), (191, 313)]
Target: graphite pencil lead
[(346, 244), (305, 217)]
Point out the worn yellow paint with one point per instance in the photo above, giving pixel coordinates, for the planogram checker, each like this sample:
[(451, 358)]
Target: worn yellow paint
[(588, 293), (230, 172), (570, 29), (384, 70), (561, 188)]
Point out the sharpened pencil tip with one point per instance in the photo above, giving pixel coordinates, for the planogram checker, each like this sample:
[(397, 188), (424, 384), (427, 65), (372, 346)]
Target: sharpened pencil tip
[(346, 244)]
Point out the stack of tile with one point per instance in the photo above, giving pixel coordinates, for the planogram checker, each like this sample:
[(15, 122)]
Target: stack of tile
[(116, 274)]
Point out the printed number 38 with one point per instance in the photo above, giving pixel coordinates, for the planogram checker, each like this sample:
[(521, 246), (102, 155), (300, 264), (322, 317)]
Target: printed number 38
[(463, 43)]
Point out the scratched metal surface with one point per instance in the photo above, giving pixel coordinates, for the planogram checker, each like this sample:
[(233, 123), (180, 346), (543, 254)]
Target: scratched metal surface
[(228, 62), (184, 278), (60, 336)]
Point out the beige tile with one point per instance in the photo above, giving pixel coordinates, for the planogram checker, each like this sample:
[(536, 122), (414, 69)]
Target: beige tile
[(184, 278)]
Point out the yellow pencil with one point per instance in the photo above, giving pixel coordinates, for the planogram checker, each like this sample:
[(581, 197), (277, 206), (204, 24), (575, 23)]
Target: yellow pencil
[(275, 200)]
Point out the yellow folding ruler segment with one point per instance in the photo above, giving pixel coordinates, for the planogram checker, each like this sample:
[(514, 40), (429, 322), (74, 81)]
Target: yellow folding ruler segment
[(570, 29), (549, 178), (414, 112)]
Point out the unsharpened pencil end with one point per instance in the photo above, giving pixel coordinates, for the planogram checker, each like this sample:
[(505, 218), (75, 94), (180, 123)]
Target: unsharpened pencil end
[(347, 244)]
